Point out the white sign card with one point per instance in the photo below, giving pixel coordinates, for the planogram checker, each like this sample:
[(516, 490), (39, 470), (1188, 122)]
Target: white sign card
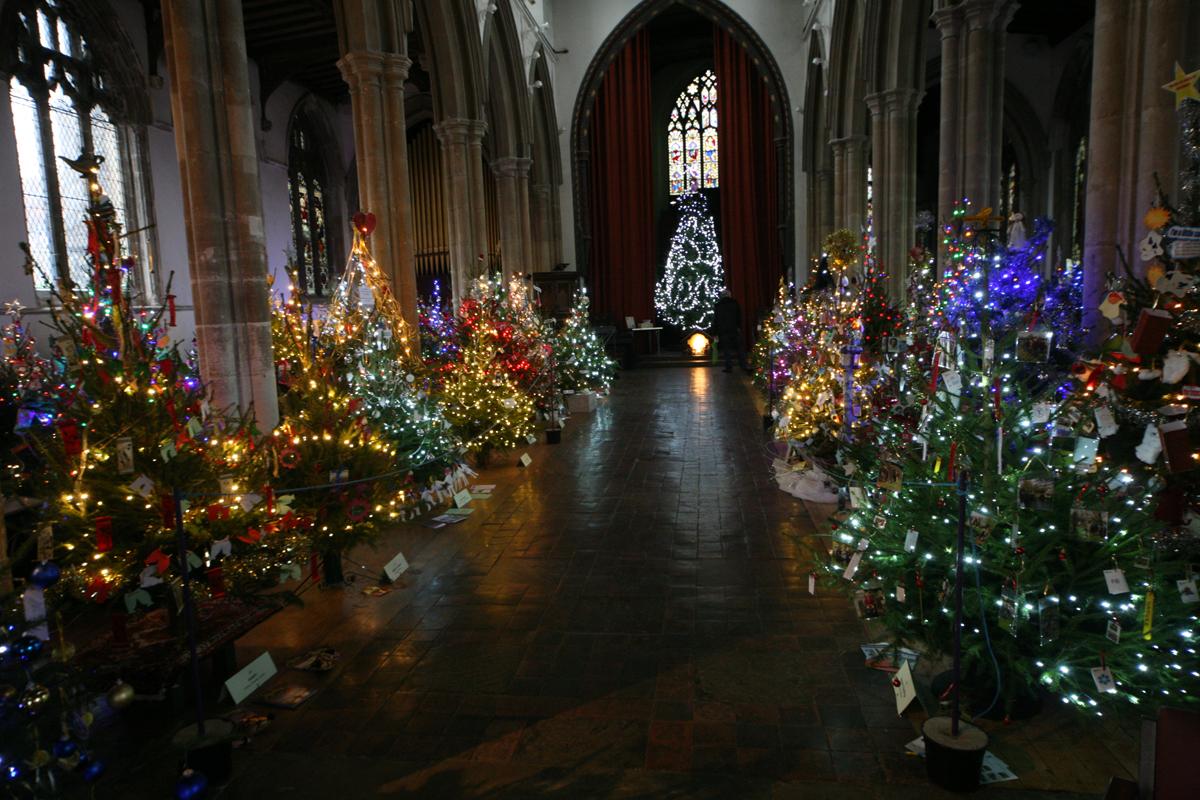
[(250, 677), (904, 688), (525, 460), (396, 567)]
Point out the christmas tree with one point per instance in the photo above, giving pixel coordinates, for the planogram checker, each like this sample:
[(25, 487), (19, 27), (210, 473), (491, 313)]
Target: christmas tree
[(689, 289), (382, 368), (1066, 569), (133, 443), (483, 404), (583, 363)]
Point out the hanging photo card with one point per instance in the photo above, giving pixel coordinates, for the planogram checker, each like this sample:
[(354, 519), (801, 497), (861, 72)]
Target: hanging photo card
[(1033, 347), (1103, 679), (910, 540), (1115, 579), (1187, 591), (125, 456), (1106, 423)]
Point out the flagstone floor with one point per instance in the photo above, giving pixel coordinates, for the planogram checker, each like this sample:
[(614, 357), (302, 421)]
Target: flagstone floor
[(628, 617)]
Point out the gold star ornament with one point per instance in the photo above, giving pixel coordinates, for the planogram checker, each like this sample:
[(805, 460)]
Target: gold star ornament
[(1184, 86)]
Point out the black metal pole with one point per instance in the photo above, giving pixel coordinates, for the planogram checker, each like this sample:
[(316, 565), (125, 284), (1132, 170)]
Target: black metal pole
[(956, 673), (189, 613)]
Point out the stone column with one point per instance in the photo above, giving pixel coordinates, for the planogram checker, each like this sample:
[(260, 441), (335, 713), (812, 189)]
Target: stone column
[(982, 64), (541, 209), (894, 168), (512, 195), (949, 23), (213, 118), (462, 159), (838, 146), (1132, 134), (856, 183), (404, 263), (824, 179), (376, 82)]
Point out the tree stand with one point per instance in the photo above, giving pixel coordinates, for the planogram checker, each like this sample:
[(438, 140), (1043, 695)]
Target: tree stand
[(953, 762), (331, 569)]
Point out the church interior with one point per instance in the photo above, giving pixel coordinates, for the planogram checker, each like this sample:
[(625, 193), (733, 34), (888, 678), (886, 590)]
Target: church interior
[(599, 398)]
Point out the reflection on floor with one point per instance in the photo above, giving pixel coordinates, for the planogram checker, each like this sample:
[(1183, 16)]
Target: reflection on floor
[(628, 617)]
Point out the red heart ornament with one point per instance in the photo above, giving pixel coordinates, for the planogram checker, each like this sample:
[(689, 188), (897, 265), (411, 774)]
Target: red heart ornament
[(364, 222)]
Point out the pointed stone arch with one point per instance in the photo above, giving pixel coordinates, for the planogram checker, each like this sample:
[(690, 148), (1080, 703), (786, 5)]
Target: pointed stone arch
[(581, 144)]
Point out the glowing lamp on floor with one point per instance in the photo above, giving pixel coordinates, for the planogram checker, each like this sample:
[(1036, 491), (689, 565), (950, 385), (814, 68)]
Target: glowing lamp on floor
[(698, 344)]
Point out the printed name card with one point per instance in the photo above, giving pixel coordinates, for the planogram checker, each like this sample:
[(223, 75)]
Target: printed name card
[(250, 677), (462, 498), (904, 687), (396, 567)]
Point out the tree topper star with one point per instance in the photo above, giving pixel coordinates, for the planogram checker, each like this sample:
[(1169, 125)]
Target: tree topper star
[(14, 307), (1183, 85)]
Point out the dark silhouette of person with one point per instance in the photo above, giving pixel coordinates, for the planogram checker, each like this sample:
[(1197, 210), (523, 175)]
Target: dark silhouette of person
[(728, 327)]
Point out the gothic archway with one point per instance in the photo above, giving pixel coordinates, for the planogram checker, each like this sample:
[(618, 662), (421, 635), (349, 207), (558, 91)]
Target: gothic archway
[(633, 22)]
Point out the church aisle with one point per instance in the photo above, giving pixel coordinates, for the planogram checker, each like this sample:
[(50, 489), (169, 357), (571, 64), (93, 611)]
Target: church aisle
[(626, 618)]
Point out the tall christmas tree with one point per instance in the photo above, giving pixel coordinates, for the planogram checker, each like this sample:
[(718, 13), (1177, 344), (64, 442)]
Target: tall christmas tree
[(1069, 584), (688, 291)]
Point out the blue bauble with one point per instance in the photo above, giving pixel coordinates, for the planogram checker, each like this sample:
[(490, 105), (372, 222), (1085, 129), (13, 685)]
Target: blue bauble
[(27, 647), (64, 748), (45, 575), (191, 785), (93, 769)]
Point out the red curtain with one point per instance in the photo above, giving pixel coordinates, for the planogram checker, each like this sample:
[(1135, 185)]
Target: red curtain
[(621, 251), (749, 181)]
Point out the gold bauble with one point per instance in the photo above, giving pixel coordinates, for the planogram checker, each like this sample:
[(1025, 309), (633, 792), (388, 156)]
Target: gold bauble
[(34, 698), (120, 696)]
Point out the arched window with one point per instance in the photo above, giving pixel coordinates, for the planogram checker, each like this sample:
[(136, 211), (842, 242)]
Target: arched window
[(59, 100), (692, 155), (306, 189)]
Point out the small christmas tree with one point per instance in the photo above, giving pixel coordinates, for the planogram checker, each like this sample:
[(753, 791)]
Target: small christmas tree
[(583, 363), (689, 289)]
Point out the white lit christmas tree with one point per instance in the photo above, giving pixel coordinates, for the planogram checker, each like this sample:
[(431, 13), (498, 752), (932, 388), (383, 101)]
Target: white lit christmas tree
[(688, 291)]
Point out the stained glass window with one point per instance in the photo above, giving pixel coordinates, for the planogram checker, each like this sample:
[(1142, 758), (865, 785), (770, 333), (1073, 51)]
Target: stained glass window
[(306, 182), (58, 101), (692, 145)]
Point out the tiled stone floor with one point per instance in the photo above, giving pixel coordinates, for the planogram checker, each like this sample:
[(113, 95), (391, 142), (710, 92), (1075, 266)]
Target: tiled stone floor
[(629, 617)]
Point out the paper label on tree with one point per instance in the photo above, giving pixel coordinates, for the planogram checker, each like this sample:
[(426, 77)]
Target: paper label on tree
[(953, 380), (124, 456), (1041, 413), (45, 542), (1103, 679), (250, 677), (910, 540), (193, 427), (852, 567), (168, 451), (901, 594), (249, 501), (812, 583), (1115, 578), (531, 438), (904, 687), (34, 600), (227, 484), (858, 497), (1113, 631), (1106, 423), (1187, 591), (1085, 451), (863, 544), (143, 486), (462, 498), (525, 460), (396, 567)]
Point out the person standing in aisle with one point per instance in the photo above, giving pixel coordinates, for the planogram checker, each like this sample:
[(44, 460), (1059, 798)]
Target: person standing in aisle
[(728, 325)]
